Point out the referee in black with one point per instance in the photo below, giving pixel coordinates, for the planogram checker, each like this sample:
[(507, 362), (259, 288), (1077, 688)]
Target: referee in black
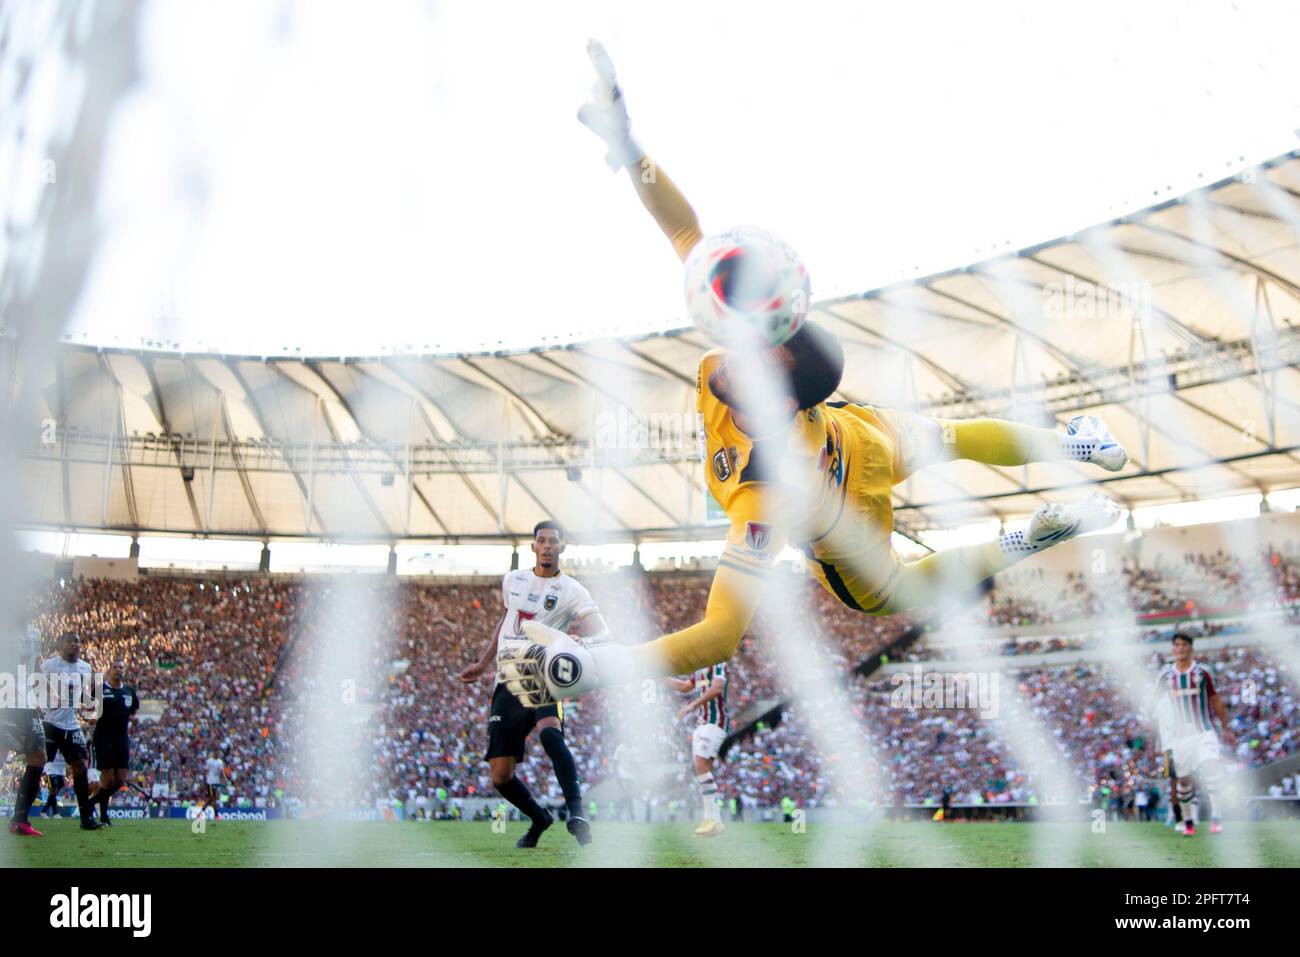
[(111, 743)]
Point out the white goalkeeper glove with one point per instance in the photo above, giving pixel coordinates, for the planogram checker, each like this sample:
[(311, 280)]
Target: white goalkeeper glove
[(605, 114), (550, 666)]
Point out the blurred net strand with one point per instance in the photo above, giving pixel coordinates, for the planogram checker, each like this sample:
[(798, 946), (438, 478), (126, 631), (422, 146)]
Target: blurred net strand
[(44, 273)]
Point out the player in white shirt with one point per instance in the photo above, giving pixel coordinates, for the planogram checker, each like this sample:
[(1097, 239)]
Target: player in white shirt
[(56, 774), (545, 594), (710, 687), (214, 774), (71, 689)]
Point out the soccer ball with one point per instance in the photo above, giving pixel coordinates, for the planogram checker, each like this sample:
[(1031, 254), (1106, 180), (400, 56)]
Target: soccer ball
[(746, 286)]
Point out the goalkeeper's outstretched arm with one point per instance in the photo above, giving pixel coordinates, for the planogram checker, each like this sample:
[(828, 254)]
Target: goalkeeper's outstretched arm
[(605, 114), (665, 202)]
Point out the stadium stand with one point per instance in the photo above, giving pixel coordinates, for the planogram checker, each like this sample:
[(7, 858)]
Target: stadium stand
[(219, 660)]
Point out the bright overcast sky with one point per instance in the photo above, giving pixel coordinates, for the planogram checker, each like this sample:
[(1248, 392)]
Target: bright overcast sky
[(348, 178)]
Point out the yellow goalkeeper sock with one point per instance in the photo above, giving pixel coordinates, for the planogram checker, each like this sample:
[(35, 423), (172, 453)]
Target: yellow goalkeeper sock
[(999, 442)]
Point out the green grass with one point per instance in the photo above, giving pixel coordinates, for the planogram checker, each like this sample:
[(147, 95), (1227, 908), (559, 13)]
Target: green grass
[(410, 844)]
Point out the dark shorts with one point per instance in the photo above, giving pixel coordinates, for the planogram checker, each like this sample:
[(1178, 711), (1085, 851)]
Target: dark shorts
[(113, 751), (510, 724), (21, 731), (70, 744)]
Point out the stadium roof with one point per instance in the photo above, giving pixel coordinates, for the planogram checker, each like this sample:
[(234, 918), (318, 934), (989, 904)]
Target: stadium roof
[(1175, 324)]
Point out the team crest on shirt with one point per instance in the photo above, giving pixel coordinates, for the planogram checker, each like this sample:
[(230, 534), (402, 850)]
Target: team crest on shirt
[(550, 602), (757, 536), (721, 465)]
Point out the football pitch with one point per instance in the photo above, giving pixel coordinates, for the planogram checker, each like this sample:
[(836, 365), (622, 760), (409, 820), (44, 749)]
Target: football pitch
[(159, 843)]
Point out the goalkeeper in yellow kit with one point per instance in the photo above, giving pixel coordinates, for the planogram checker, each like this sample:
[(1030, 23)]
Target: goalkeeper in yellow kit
[(820, 477)]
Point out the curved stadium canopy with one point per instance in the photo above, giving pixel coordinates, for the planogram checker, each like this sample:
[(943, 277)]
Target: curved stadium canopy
[(1175, 324)]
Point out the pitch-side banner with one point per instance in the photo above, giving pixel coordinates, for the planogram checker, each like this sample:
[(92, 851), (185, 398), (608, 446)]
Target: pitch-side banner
[(234, 814)]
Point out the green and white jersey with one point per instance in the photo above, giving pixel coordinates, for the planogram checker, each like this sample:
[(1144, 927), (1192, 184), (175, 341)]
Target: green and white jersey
[(715, 711)]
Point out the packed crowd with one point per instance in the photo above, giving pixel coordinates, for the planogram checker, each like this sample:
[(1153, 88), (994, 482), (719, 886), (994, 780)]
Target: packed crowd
[(1002, 647), (203, 653), (430, 727), (232, 666), (1196, 583), (228, 667), (1085, 715)]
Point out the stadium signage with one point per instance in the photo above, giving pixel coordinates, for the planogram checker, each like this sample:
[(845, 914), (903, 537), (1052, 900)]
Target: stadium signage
[(190, 813)]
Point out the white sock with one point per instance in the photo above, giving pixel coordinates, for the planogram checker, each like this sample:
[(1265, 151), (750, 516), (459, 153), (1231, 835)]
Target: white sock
[(1187, 802), (1077, 448), (709, 794), (1213, 786)]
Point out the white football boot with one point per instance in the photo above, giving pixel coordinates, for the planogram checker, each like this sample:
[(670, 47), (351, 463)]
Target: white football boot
[(1087, 439), (1052, 524)]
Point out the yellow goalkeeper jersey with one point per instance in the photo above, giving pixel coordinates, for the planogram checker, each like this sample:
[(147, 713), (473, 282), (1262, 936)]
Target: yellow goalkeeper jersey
[(824, 485)]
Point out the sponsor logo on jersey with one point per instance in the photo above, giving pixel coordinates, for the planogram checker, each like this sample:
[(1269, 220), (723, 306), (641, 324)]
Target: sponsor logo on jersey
[(757, 535), (551, 601), (721, 465), (565, 670), (835, 466), (532, 597)]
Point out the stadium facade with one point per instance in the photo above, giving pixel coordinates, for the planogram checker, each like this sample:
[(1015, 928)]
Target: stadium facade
[(1175, 324)]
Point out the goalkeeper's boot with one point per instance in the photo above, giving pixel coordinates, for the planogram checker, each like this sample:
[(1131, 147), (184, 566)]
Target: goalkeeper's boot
[(580, 828), (1190, 830), (534, 832), (1215, 826), (1052, 524), (1087, 439), (710, 827), (23, 829)]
